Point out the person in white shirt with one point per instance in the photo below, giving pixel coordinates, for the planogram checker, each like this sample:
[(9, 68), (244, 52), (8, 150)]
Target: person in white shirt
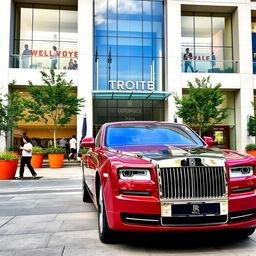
[(26, 157), (72, 144), (54, 58)]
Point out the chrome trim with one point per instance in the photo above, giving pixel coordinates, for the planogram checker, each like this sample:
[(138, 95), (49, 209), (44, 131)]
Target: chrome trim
[(149, 220), (241, 216)]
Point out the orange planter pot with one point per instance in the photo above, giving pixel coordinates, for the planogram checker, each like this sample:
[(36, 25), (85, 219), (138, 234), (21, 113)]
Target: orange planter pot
[(37, 160), (251, 152), (56, 160), (8, 169)]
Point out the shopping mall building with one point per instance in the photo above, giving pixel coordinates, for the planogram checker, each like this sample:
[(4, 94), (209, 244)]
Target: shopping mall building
[(127, 58)]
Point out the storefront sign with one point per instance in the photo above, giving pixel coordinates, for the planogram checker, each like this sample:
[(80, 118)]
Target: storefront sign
[(131, 86), (45, 53)]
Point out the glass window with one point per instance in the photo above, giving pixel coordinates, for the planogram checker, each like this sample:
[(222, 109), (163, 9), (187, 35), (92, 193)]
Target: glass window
[(209, 39), (133, 34), (50, 30)]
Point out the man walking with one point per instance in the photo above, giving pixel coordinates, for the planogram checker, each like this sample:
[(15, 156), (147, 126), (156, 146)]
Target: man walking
[(187, 57), (73, 147)]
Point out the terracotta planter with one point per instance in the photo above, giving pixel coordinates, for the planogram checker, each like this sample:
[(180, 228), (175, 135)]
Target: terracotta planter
[(56, 160), (251, 152), (37, 160), (83, 156), (8, 169)]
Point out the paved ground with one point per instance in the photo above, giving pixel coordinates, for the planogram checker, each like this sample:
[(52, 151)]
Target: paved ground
[(47, 217)]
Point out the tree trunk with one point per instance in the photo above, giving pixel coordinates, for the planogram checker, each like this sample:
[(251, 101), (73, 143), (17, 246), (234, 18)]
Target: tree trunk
[(54, 136), (200, 131)]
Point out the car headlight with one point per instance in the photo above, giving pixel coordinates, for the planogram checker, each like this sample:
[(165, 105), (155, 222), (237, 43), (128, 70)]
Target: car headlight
[(241, 171), (134, 174)]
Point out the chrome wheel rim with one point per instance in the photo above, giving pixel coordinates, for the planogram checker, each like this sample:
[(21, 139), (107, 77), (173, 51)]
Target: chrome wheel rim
[(101, 210)]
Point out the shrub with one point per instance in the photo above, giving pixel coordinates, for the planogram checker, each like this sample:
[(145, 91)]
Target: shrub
[(251, 147), (53, 150), (15, 148), (38, 150), (83, 150), (8, 156)]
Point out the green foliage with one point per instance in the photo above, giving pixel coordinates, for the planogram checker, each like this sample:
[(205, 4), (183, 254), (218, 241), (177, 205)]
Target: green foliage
[(252, 123), (8, 156), (83, 150), (250, 147), (54, 101), (15, 148), (38, 150), (55, 150), (200, 108), (11, 111)]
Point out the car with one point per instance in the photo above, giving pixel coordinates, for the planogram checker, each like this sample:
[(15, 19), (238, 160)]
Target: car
[(158, 176)]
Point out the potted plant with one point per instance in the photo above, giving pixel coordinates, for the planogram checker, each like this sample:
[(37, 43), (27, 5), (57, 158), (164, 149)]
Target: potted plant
[(83, 152), (55, 156), (251, 149), (8, 165), (37, 157), (15, 150)]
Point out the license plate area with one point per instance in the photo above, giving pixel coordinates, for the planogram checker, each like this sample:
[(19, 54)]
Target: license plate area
[(195, 209)]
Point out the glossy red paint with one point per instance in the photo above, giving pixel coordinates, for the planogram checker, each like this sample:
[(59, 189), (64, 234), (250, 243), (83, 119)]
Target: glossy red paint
[(104, 164)]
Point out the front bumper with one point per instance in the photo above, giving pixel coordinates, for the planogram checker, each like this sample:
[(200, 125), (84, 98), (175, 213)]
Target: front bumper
[(136, 213)]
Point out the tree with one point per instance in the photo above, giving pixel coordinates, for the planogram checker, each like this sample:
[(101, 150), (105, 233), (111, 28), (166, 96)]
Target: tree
[(53, 101), (200, 108), (11, 111), (252, 123)]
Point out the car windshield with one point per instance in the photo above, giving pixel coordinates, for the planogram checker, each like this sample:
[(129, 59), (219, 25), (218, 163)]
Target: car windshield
[(151, 134)]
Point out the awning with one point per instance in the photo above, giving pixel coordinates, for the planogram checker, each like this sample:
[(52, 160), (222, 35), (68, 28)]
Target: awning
[(133, 95)]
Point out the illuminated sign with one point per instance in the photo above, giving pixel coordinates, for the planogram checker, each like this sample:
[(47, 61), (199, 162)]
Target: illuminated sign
[(131, 86)]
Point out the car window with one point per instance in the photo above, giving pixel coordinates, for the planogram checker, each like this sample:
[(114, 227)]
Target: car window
[(97, 139), (151, 134)]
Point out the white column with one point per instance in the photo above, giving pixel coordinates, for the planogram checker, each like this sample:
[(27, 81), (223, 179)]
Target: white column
[(173, 53), (5, 21), (245, 96), (85, 65)]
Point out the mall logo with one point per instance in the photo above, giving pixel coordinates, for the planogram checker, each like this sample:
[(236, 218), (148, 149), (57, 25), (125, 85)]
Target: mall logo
[(131, 86)]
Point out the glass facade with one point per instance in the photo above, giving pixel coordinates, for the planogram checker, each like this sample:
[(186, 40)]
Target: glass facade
[(45, 37), (209, 39), (129, 45), (126, 110)]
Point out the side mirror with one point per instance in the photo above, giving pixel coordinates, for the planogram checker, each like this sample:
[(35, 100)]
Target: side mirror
[(88, 143), (209, 140)]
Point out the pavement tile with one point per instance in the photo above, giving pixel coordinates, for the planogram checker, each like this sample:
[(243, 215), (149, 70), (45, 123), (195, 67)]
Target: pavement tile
[(5, 219), (23, 242), (76, 225), (40, 252), (34, 218)]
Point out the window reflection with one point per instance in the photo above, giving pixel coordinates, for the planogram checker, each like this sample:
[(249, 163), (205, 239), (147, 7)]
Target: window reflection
[(129, 40)]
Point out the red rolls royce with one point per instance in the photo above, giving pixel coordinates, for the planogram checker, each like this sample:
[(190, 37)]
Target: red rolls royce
[(156, 176)]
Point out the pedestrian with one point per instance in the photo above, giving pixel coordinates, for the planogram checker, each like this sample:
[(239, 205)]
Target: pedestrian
[(54, 58), (73, 147), (187, 57), (26, 157), (75, 65), (25, 57), (63, 143), (213, 61), (70, 64)]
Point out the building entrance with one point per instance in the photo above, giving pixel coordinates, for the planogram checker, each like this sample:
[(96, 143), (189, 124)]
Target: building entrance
[(126, 110)]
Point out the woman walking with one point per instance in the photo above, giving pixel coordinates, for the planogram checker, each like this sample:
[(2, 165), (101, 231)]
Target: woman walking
[(26, 157)]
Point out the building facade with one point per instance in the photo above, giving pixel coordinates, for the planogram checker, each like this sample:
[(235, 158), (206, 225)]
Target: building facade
[(126, 58)]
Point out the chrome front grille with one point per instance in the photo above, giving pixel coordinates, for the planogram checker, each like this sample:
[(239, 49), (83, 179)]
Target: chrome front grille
[(192, 182)]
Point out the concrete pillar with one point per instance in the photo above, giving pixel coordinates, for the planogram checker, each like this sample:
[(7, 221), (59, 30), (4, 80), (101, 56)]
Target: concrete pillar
[(85, 68), (5, 21), (242, 19), (173, 59)]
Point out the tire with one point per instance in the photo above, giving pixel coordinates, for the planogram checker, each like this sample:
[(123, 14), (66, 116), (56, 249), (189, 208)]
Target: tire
[(105, 233), (246, 232), (86, 195)]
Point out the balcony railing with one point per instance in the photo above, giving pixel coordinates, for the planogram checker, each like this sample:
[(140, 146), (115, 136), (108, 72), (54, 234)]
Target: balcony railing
[(202, 66), (43, 62)]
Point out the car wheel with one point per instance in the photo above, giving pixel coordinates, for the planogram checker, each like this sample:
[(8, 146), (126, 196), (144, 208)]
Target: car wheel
[(246, 232), (86, 196), (105, 233)]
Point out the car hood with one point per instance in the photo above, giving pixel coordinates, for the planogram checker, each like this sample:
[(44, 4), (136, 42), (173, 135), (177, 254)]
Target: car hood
[(162, 152)]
